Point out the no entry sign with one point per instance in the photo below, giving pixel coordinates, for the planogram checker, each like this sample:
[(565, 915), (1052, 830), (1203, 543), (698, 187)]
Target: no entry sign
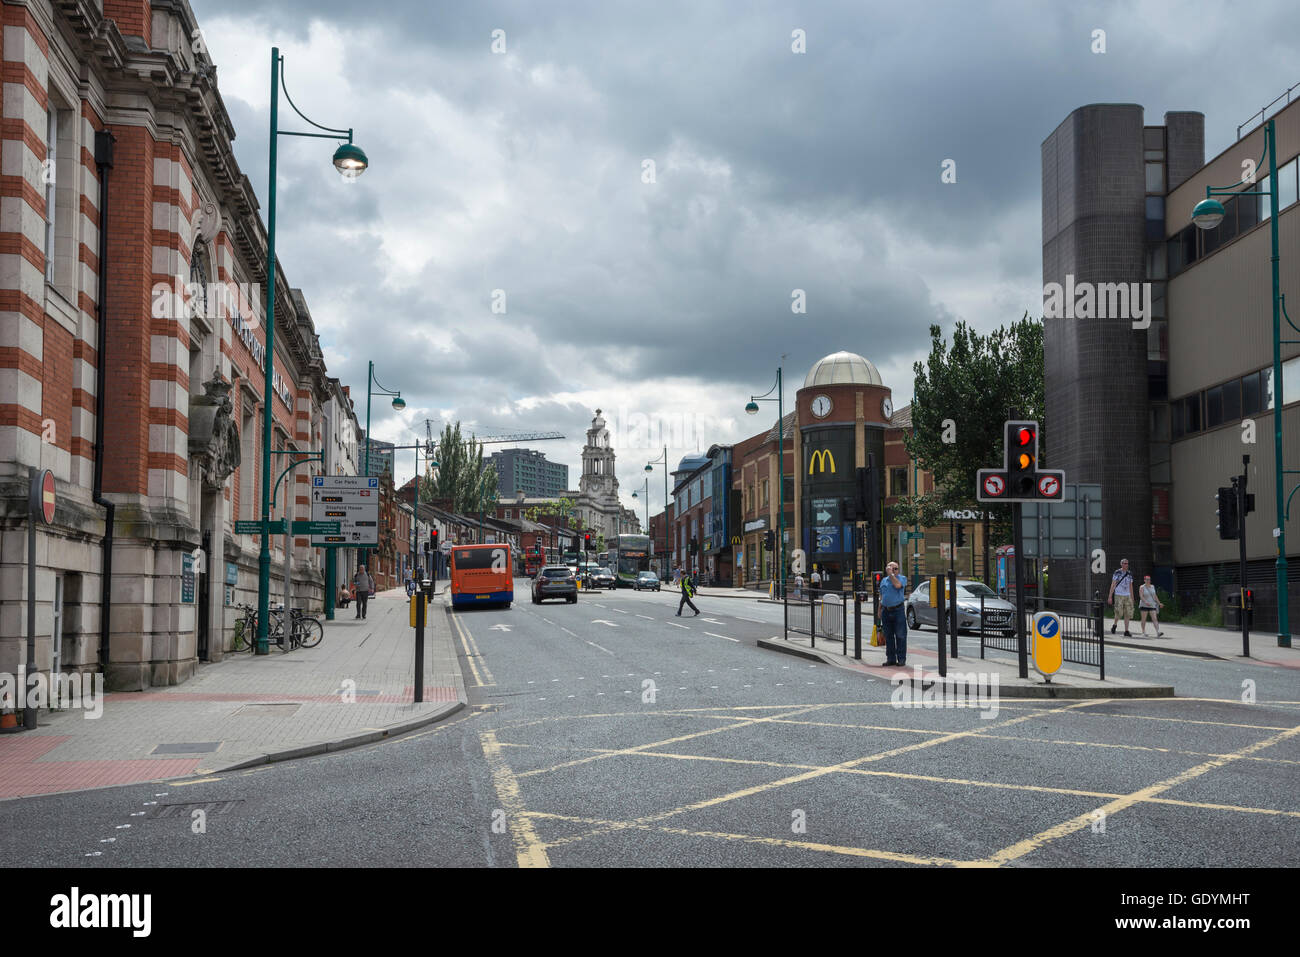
[(43, 499)]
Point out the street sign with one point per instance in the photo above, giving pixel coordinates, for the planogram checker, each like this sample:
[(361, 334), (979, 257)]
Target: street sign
[(350, 500), (1069, 527), (992, 486), (255, 527), (1046, 647), (42, 496), (187, 578), (301, 527)]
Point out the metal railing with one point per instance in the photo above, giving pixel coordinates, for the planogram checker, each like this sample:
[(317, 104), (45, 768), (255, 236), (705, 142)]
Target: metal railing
[(1082, 631), (1262, 114), (818, 612)]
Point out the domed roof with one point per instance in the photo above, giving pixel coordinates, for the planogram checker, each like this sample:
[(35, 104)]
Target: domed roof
[(843, 368), (691, 462)]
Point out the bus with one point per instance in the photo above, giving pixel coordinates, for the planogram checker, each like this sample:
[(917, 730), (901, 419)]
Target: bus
[(534, 559), (628, 557), (481, 575)]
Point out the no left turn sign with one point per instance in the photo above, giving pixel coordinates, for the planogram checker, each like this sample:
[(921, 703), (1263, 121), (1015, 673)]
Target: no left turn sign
[(994, 485)]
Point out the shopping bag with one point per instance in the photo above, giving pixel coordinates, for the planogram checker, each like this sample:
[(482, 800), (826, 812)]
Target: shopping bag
[(877, 639)]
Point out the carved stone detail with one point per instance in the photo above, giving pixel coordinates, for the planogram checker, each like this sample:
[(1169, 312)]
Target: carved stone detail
[(214, 437)]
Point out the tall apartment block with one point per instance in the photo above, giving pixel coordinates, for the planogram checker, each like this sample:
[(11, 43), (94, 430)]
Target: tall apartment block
[(523, 470)]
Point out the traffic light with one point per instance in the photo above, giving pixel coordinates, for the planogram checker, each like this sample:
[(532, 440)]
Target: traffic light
[(586, 542), (769, 539), (1022, 457), (961, 536), (433, 540), (1227, 513)]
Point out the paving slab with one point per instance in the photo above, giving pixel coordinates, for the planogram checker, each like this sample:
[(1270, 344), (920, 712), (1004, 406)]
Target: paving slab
[(355, 687)]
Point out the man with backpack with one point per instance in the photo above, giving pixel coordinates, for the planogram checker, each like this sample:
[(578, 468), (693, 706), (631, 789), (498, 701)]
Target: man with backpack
[(688, 591)]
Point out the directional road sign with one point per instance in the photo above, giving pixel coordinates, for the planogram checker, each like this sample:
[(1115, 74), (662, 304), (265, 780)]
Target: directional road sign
[(350, 500), (255, 527)]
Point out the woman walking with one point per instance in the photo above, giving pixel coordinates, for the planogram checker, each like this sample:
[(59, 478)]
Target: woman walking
[(1148, 601)]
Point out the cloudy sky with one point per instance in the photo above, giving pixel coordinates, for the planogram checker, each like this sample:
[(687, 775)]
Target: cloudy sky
[(517, 179)]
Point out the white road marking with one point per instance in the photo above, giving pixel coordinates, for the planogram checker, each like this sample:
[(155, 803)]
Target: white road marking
[(619, 610), (601, 621), (646, 617), (736, 640), (675, 625)]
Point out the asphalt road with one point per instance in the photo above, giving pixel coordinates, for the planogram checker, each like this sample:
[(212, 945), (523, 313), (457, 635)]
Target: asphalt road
[(611, 732)]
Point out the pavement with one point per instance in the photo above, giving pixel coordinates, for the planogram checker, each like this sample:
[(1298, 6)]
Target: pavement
[(355, 687), (1201, 642)]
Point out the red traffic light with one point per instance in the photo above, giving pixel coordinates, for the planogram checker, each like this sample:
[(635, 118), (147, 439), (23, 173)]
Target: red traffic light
[(1024, 436)]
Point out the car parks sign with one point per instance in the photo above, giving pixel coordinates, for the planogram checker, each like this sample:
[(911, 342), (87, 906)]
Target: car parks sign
[(350, 500)]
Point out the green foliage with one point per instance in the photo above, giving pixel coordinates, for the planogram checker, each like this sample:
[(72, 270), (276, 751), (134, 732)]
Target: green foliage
[(461, 478), (974, 383)]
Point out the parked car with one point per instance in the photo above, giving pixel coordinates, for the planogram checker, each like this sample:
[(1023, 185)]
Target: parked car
[(603, 578), (646, 580), (999, 614), (555, 581)]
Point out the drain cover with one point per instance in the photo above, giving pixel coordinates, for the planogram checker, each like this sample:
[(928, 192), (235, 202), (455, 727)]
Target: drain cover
[(187, 747), (286, 710)]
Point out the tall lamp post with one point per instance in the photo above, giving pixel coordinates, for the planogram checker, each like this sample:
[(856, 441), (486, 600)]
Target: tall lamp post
[(752, 409), (350, 162), (374, 388), (650, 467), (1207, 214), (647, 504)]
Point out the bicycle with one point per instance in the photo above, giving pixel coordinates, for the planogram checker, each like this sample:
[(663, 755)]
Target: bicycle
[(307, 631), (246, 629)]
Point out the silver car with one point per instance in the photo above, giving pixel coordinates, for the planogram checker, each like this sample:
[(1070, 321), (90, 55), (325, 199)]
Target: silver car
[(999, 614)]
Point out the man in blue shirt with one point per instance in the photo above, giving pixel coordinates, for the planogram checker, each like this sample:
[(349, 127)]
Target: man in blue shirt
[(893, 621)]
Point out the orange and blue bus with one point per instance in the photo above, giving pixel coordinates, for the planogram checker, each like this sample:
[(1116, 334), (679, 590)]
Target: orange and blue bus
[(481, 575)]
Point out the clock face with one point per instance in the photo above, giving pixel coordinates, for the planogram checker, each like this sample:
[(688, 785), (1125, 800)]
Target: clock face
[(887, 407), (821, 406)]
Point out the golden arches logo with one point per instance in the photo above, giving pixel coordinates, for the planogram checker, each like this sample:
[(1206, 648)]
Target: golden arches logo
[(819, 458)]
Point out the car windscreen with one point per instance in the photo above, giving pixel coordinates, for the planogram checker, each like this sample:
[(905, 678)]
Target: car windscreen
[(477, 558), (976, 589), (648, 576), (555, 573)]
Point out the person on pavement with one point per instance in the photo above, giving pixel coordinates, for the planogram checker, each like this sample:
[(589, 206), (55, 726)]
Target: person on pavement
[(344, 596), (816, 579), (688, 590), (1121, 595), (893, 622), (364, 584), (1149, 603)]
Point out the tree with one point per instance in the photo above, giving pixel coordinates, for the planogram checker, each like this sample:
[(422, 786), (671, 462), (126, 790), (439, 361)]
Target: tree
[(962, 397), (461, 479)]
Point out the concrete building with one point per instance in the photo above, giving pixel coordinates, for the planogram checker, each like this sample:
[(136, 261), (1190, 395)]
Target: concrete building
[(526, 471), (1158, 416)]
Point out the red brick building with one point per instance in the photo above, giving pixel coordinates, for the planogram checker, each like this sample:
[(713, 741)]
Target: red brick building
[(132, 264)]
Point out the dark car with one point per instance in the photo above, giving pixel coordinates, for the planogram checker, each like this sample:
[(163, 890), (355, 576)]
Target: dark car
[(603, 578), (646, 580), (555, 581)]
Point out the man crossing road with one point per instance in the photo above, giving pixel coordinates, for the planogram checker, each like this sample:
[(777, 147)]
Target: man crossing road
[(688, 590)]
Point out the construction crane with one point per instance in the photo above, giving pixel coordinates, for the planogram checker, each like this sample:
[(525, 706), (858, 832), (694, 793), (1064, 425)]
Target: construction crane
[(519, 437)]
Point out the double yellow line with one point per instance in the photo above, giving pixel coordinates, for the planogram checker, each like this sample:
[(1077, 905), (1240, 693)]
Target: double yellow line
[(478, 669)]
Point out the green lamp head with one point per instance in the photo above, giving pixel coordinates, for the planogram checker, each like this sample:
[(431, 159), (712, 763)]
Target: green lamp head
[(1208, 213), (752, 408), (399, 403), (350, 160)]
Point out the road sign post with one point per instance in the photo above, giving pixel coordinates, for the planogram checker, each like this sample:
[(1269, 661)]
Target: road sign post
[(1047, 650)]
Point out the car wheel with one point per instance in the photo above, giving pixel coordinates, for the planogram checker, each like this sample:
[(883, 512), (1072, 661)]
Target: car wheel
[(911, 620), (573, 600)]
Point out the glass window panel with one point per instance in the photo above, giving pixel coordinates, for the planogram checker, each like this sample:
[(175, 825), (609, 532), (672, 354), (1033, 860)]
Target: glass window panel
[(1266, 378), (1247, 212), (1153, 155), (1291, 381), (1212, 239), (1155, 177), (1157, 259), (1286, 185), (1155, 207), (1214, 407), (1251, 400), (1263, 200), (1159, 422), (1176, 417), (1192, 413), (1231, 401)]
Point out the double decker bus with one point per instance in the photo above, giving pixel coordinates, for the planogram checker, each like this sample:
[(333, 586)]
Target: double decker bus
[(629, 556), (534, 559), (481, 575)]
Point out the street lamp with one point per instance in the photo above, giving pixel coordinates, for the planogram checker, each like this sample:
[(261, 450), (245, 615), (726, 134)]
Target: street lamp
[(352, 162), (373, 387), (752, 408), (1207, 214), (647, 501), (650, 467)]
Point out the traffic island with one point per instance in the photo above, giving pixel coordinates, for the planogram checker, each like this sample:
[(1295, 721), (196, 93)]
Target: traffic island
[(968, 676)]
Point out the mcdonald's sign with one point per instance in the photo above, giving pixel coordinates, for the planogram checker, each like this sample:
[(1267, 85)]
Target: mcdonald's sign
[(819, 458)]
